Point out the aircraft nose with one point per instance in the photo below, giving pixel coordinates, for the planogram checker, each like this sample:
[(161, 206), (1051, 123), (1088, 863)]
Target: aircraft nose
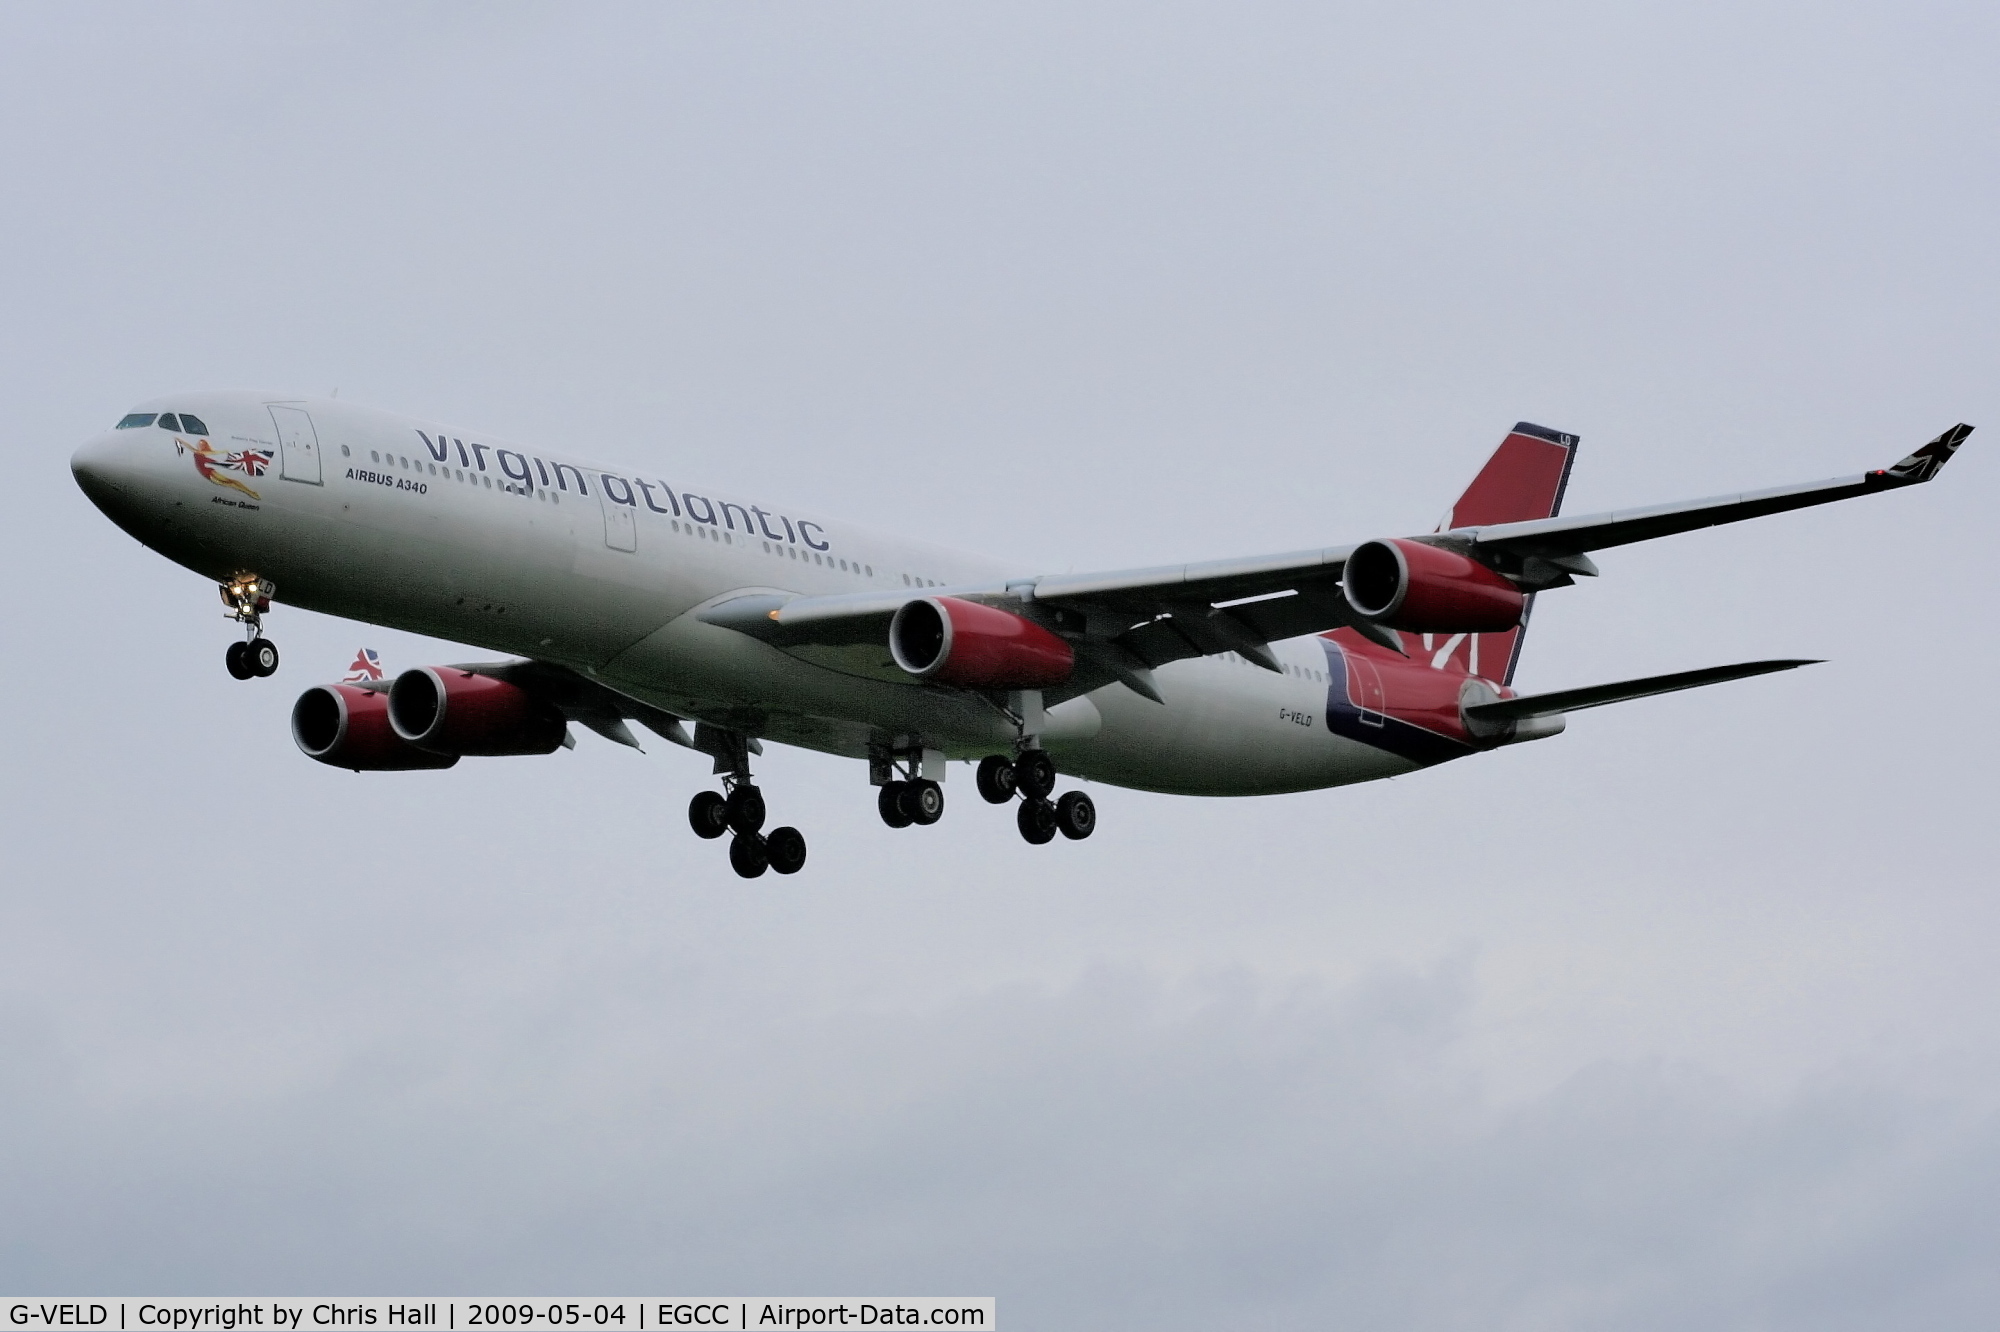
[(110, 470), (104, 466)]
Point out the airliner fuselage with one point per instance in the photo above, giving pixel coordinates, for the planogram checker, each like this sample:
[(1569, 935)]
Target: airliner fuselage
[(514, 549)]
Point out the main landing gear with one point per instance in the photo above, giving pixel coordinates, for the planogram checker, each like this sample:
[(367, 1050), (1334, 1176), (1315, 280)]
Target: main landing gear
[(1032, 776), (903, 794), (248, 597), (907, 797), (919, 801), (738, 809)]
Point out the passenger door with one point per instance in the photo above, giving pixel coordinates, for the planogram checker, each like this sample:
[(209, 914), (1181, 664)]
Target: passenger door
[(298, 444), (1364, 688), (621, 532)]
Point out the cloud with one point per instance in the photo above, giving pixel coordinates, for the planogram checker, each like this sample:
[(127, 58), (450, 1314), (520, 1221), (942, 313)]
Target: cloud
[(1117, 1150), (1677, 1021)]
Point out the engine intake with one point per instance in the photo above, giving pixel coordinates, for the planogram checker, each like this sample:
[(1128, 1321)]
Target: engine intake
[(978, 647), (1428, 590), (450, 711), (349, 728)]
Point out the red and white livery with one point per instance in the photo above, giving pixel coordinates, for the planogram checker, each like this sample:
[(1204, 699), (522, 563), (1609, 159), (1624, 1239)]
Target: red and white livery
[(721, 621)]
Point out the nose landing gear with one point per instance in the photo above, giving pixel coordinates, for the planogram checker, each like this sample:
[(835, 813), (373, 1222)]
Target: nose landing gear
[(247, 596)]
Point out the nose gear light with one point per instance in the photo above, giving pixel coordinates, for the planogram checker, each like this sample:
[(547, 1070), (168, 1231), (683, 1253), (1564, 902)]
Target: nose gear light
[(248, 596)]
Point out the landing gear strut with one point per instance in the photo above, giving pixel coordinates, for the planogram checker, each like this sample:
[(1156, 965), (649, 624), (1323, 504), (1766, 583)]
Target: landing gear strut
[(247, 596), (1031, 774), (909, 798), (739, 809)]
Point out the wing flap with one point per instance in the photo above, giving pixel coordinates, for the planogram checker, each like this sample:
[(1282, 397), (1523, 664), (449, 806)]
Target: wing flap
[(589, 702), (1210, 581)]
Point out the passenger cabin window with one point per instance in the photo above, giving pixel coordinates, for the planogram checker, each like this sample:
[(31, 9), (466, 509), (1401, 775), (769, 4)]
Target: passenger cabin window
[(136, 420), (193, 425), (167, 421)]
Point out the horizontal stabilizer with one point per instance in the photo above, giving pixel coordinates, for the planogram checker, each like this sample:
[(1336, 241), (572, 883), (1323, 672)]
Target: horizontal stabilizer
[(1596, 696)]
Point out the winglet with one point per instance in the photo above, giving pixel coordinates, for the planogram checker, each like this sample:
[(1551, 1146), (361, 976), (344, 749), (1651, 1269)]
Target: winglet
[(1927, 461)]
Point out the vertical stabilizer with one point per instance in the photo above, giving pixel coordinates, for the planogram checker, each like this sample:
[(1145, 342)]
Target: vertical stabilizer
[(1523, 480)]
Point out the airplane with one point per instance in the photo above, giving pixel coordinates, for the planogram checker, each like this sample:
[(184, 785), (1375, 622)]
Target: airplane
[(719, 621)]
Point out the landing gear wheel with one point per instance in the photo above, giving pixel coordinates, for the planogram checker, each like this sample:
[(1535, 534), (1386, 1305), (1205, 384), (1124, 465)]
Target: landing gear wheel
[(237, 659), (261, 656), (922, 802), (1076, 815), (889, 804), (746, 811), (708, 814), (1035, 774), (996, 780), (1037, 822), (750, 855), (786, 850)]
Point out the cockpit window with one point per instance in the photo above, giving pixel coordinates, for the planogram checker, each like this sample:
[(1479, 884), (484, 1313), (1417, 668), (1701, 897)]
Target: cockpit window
[(136, 419), (192, 425), (167, 421)]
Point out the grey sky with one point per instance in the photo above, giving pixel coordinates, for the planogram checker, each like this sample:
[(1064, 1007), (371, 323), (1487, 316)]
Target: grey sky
[(1684, 1019)]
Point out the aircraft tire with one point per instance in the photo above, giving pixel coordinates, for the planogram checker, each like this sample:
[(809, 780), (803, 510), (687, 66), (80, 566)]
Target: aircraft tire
[(749, 855), (1076, 815), (1035, 774), (889, 804), (923, 801), (237, 659), (1037, 822), (787, 850), (746, 811), (995, 780), (707, 814), (261, 656)]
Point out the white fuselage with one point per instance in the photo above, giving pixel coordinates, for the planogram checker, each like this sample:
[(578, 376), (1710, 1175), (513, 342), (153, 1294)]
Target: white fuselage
[(399, 522)]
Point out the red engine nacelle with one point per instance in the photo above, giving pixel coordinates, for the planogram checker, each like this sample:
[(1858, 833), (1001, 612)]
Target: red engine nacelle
[(1410, 585), (451, 711), (349, 728), (964, 643)]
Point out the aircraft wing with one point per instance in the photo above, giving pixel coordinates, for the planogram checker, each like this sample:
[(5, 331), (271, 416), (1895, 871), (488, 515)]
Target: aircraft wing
[(1121, 625), (584, 701), (1125, 623), (1160, 615), (1561, 537)]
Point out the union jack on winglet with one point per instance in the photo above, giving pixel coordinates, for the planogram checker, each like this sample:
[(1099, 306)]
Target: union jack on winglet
[(366, 666), (1925, 462)]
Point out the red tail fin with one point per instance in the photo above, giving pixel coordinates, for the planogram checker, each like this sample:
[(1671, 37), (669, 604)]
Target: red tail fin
[(1525, 478)]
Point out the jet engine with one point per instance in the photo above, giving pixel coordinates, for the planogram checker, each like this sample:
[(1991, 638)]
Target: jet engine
[(349, 728), (964, 643), (1428, 590), (449, 711)]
